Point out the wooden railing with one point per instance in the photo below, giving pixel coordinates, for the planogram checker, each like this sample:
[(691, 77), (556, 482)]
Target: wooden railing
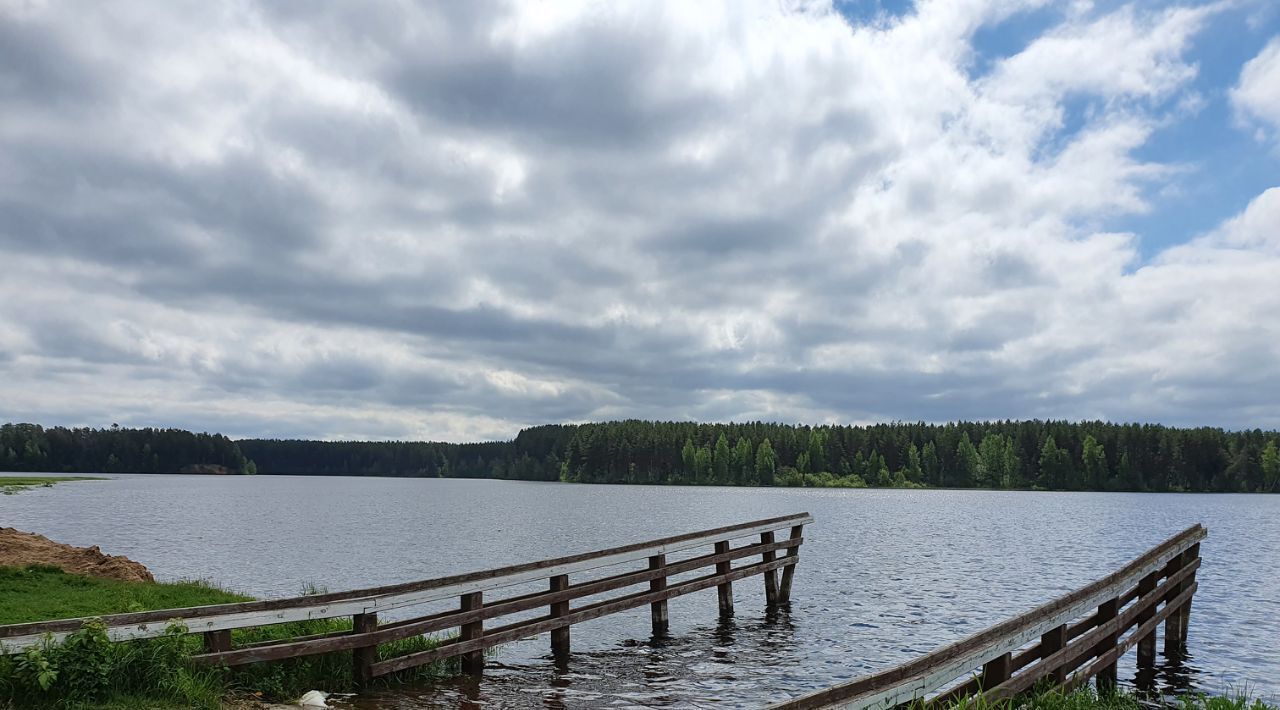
[(474, 609), (1064, 643)]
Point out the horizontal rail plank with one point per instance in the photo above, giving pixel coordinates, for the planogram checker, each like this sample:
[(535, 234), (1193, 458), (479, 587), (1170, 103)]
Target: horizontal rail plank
[(918, 677), (122, 627), (450, 619), (521, 630)]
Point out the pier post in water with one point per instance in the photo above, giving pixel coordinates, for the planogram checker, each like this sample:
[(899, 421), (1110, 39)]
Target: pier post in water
[(1106, 613), (770, 577), (658, 609), (724, 591), (560, 636), (784, 590), (1175, 627), (472, 661), (1147, 644)]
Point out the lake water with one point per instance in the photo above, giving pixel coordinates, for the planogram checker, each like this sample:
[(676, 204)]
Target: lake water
[(885, 575)]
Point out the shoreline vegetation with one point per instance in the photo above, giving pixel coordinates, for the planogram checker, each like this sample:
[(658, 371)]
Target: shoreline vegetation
[(16, 484), (87, 670), (1013, 455)]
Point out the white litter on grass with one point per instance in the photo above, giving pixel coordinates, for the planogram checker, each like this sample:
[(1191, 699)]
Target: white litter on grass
[(313, 699)]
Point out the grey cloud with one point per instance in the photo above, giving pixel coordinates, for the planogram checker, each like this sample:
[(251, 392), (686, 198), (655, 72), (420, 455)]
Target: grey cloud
[(600, 280)]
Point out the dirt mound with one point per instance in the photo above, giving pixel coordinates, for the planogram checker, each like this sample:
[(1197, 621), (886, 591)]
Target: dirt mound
[(19, 549)]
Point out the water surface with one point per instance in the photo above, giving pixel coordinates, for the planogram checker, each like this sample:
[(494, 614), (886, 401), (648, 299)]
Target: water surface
[(885, 575)]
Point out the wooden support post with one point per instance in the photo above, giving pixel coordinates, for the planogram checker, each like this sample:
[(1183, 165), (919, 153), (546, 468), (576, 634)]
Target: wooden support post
[(784, 590), (1051, 642), (472, 661), (724, 591), (215, 641), (560, 636), (1107, 675), (1192, 554), (996, 671), (364, 657), (770, 577), (658, 609), (1147, 644), (1175, 627)]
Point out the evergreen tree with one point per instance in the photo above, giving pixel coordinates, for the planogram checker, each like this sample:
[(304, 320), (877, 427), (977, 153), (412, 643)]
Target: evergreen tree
[(1094, 459), (766, 463), (721, 461), (1270, 465), (966, 469), (743, 462)]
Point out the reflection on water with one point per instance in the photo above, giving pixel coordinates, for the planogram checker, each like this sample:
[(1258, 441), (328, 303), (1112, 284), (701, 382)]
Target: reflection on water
[(884, 576)]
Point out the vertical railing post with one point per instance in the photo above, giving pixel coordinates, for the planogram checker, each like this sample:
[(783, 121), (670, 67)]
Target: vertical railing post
[(658, 609), (560, 636), (364, 657), (1051, 642), (1175, 626), (771, 576), (1106, 614), (1147, 644), (215, 641), (784, 590), (724, 591), (995, 672), (472, 661)]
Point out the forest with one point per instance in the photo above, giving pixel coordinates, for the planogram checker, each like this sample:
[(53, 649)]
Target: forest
[(31, 447), (1050, 455)]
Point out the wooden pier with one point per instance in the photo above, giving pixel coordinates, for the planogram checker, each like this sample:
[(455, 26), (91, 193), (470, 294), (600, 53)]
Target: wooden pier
[(1064, 643), (475, 606)]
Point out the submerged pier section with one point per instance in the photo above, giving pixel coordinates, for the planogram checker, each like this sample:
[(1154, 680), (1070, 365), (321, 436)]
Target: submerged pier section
[(1064, 643), (477, 602)]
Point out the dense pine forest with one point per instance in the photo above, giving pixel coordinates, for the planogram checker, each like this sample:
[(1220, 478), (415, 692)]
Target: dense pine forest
[(1028, 454), (31, 447)]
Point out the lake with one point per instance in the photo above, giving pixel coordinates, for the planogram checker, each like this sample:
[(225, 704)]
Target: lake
[(885, 575)]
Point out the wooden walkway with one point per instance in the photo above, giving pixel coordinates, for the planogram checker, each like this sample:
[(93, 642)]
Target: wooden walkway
[(474, 606), (1065, 643)]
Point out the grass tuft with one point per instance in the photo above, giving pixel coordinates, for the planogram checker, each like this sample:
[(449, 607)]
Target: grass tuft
[(88, 670)]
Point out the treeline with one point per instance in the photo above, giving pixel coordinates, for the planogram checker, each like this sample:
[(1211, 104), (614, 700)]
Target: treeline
[(31, 447), (1027, 454)]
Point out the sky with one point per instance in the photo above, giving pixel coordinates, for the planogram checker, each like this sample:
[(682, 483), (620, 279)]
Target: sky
[(449, 221)]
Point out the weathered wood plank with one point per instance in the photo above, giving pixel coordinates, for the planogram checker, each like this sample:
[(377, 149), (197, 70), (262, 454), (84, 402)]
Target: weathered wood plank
[(788, 572), (525, 629), (123, 627), (770, 577), (363, 657), (724, 592), (658, 608), (472, 661), (452, 619), (1147, 644), (920, 676), (560, 637)]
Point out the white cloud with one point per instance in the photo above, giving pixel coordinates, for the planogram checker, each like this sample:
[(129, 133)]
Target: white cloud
[(448, 223), (1257, 96)]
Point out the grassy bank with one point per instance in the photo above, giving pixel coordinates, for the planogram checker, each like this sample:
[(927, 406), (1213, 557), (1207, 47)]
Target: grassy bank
[(13, 484), (1089, 699), (87, 670)]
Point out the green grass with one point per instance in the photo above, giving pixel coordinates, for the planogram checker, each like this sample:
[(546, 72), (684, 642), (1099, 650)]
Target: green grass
[(37, 593), (1090, 699), (87, 670), (13, 484)]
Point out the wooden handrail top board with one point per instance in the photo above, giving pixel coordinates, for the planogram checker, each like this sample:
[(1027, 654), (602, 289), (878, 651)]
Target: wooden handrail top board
[(150, 624), (497, 608), (930, 672)]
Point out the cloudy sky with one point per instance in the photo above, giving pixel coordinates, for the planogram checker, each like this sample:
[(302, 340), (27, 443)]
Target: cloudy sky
[(451, 220)]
